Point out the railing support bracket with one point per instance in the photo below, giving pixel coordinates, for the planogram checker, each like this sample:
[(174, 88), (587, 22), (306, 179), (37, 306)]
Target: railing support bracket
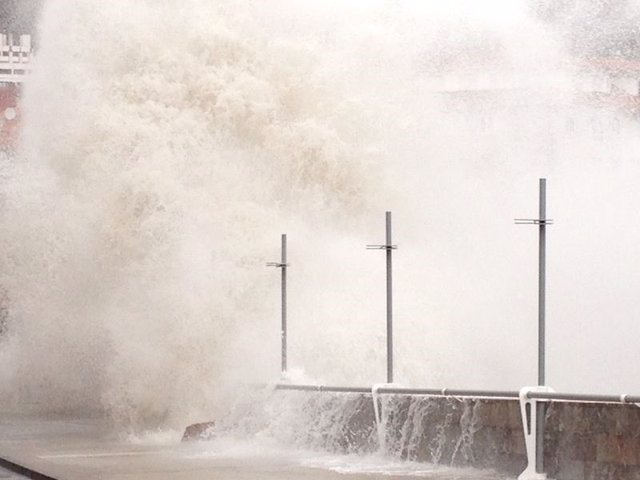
[(529, 411)]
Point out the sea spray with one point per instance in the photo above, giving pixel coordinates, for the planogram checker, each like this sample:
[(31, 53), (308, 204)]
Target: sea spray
[(167, 145), (438, 431), (157, 169)]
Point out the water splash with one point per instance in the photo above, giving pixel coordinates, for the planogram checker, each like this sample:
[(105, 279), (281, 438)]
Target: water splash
[(168, 144), (414, 436), (155, 172)]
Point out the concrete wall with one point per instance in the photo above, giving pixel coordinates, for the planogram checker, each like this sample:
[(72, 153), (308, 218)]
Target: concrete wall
[(593, 441), (583, 440)]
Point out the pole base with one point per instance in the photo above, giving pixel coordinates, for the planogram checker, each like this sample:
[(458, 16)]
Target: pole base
[(532, 476)]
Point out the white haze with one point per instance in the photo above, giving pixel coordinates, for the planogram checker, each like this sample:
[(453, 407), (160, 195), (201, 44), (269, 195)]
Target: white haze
[(167, 144)]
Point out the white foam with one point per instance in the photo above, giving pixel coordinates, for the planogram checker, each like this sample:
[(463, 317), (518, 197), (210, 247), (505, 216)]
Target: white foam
[(262, 451)]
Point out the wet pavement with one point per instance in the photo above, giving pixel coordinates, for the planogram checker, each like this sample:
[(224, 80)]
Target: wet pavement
[(79, 449)]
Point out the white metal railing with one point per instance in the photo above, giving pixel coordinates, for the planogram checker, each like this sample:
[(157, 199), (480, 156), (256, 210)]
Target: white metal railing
[(531, 398)]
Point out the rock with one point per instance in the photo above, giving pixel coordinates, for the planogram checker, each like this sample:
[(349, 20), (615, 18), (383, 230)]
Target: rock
[(199, 431)]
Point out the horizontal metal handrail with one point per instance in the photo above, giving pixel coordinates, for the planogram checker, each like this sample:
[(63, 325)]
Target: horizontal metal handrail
[(322, 388), (447, 392), (452, 392), (584, 397), (388, 390)]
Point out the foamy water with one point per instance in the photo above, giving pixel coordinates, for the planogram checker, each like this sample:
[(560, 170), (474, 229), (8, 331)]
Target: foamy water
[(375, 466), (168, 144)]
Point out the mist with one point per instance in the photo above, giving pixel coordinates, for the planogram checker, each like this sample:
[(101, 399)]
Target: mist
[(167, 145), (19, 16)]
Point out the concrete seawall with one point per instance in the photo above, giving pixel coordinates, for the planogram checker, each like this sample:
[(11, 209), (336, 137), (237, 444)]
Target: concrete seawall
[(582, 440)]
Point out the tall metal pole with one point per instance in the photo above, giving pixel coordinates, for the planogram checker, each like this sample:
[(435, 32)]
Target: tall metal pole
[(389, 247), (389, 301), (542, 253), (283, 330), (541, 281), (542, 221), (283, 265)]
